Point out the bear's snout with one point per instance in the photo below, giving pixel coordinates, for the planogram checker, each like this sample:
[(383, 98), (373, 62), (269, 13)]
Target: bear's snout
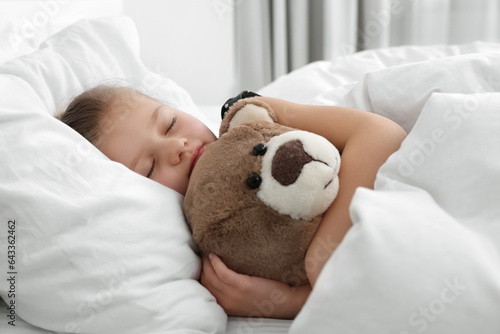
[(299, 174), (288, 162)]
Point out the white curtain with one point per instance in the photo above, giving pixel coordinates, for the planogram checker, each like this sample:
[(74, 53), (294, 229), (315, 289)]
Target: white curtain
[(274, 37)]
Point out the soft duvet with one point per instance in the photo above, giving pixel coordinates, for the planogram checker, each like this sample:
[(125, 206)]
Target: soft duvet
[(423, 253)]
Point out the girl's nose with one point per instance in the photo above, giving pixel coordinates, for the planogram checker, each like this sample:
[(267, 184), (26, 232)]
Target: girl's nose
[(174, 149)]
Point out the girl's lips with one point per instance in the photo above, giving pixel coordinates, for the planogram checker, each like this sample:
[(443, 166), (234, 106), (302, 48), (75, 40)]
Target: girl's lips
[(198, 151)]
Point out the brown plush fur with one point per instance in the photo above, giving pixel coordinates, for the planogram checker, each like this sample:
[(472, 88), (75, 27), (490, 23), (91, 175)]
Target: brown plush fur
[(228, 219)]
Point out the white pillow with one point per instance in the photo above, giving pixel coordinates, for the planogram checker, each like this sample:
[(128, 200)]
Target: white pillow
[(423, 253), (90, 53), (98, 248)]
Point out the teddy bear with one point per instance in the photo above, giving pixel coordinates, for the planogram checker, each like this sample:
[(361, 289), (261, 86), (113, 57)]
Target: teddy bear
[(256, 195)]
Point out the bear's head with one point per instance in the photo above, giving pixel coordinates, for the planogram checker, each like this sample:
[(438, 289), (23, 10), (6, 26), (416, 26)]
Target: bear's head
[(256, 195)]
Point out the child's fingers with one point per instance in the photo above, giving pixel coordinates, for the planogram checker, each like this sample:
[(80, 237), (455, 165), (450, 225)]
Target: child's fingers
[(228, 276), (209, 277), (208, 273)]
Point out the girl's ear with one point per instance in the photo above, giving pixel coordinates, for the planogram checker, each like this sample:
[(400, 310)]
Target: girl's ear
[(247, 110)]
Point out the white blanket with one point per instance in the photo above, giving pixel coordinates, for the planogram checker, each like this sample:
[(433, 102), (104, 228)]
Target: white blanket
[(423, 253)]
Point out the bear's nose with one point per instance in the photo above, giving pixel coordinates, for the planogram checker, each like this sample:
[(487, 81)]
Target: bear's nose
[(288, 162)]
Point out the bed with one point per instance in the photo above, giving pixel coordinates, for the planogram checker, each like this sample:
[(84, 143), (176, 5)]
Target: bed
[(87, 246)]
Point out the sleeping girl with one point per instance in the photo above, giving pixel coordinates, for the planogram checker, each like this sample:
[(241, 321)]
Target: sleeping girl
[(164, 144)]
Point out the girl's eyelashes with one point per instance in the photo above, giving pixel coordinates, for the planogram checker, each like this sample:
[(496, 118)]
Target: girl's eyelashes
[(174, 120), (153, 165)]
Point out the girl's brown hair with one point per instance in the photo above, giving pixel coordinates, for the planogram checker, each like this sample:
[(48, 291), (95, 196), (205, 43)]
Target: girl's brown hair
[(86, 113)]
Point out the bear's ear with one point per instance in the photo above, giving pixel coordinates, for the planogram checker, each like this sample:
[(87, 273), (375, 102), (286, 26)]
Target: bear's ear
[(247, 110)]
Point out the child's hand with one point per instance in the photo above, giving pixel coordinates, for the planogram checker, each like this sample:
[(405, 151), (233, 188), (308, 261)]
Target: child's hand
[(242, 295)]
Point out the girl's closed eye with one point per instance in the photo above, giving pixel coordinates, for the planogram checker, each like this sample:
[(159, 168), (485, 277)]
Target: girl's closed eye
[(153, 165), (174, 120)]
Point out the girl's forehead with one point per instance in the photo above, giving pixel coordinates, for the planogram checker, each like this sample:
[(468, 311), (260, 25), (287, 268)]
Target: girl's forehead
[(126, 114), (132, 97), (125, 105)]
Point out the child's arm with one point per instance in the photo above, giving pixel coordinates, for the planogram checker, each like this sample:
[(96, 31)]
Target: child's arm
[(365, 141)]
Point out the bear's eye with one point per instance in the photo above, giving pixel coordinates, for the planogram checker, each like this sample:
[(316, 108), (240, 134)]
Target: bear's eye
[(254, 181), (259, 149)]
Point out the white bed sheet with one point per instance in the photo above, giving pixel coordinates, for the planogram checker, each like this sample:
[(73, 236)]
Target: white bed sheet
[(235, 325), (238, 325)]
